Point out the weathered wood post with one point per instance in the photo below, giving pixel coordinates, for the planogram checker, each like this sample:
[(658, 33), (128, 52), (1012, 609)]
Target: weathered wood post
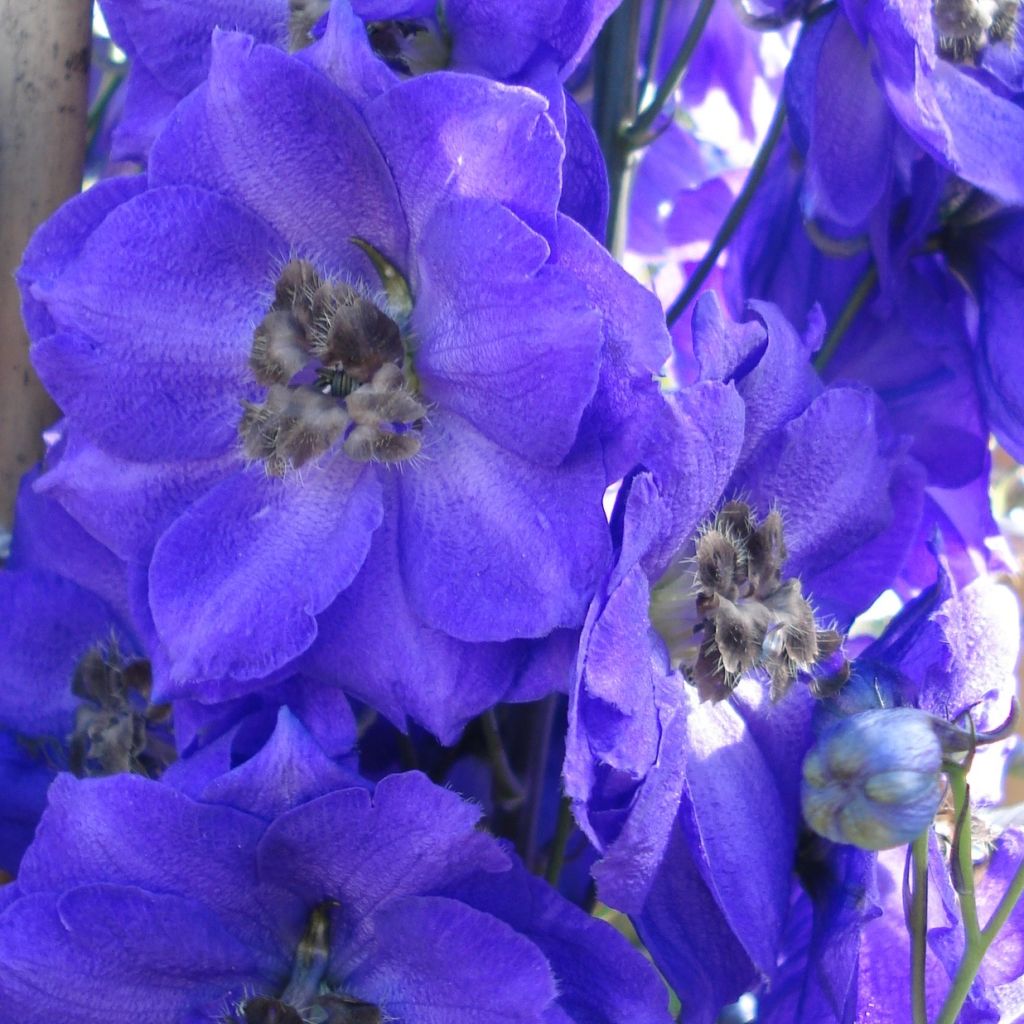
[(44, 79)]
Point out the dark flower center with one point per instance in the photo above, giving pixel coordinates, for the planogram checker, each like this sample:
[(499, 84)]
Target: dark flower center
[(965, 27), (333, 364), (736, 614), (303, 16), (117, 729), (306, 999), (410, 47)]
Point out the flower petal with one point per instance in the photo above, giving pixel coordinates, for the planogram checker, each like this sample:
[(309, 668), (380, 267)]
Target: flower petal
[(505, 340), (237, 581), (276, 135), (156, 317), (517, 546), (448, 135)]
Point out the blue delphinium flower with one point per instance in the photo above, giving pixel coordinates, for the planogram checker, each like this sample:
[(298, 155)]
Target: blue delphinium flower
[(77, 692), (881, 73), (985, 246), (369, 46), (345, 358), (904, 325), (76, 682), (282, 893), (697, 805)]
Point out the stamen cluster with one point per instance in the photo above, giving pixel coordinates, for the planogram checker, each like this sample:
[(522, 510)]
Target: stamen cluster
[(117, 729), (350, 354), (751, 618), (965, 27)]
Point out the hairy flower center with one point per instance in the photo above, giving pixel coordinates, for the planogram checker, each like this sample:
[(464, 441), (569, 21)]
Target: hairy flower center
[(303, 16), (332, 363), (410, 47), (306, 999), (117, 729), (735, 613), (965, 27)]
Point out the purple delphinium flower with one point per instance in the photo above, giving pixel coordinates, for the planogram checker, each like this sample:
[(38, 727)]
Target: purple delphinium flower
[(78, 682), (697, 805), (371, 45), (878, 73), (946, 87), (911, 337), (75, 693), (248, 903), (429, 407), (988, 254)]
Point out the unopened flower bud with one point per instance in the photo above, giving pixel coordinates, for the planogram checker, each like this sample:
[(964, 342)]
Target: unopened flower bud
[(874, 780)]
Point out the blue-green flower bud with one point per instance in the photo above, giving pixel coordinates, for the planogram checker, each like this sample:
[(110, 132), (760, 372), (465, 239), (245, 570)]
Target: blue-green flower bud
[(874, 779)]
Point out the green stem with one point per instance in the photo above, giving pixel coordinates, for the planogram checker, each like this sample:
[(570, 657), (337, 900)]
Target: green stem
[(615, 90), (964, 875), (637, 131), (919, 928), (865, 286), (657, 30), (974, 952), (509, 790), (563, 830), (100, 105), (542, 728), (733, 217)]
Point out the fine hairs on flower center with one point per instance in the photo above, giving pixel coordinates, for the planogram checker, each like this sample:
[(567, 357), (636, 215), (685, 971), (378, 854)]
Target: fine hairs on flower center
[(963, 28), (332, 363), (117, 728), (735, 613), (307, 999), (410, 47)]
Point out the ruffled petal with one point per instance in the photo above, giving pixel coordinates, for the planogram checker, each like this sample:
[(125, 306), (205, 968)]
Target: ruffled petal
[(503, 339), (272, 133), (519, 545), (237, 581), (156, 316)]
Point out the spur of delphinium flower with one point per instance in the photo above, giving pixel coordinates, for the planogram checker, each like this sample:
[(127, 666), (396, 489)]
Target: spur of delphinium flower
[(697, 804), (345, 358), (282, 893), (943, 668), (369, 46)]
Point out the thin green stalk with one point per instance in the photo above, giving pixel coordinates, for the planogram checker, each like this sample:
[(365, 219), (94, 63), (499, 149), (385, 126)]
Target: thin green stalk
[(733, 217), (99, 107), (509, 789), (615, 99), (860, 295), (658, 18), (563, 830), (637, 131), (964, 873), (919, 928), (975, 951), (541, 731)]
